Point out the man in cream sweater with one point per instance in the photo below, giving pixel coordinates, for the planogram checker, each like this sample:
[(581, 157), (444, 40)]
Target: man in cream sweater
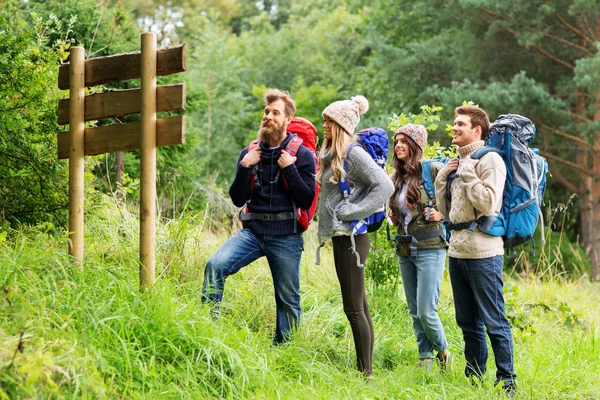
[(476, 259)]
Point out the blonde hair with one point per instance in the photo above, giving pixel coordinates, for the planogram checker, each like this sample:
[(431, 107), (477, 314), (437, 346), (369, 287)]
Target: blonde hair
[(337, 146)]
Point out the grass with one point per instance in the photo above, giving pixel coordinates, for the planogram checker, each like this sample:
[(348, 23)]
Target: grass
[(91, 333)]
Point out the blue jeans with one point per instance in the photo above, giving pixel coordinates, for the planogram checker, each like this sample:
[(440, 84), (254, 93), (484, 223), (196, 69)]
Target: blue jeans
[(283, 253), (421, 279), (479, 301)]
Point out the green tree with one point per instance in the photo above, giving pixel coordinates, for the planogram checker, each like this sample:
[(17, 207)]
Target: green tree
[(33, 183), (537, 58)]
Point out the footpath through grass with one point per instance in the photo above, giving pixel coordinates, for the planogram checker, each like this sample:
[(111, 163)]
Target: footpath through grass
[(91, 333)]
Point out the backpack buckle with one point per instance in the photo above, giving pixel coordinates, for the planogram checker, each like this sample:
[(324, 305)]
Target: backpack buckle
[(268, 217)]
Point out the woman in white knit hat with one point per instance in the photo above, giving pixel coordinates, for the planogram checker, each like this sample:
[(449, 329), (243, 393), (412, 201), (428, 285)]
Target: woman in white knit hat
[(371, 188), (420, 242)]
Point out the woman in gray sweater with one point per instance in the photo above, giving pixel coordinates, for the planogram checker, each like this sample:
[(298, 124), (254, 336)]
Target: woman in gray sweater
[(371, 187)]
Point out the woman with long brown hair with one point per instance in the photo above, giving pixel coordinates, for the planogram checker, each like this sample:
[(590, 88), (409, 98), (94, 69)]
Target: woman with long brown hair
[(420, 241)]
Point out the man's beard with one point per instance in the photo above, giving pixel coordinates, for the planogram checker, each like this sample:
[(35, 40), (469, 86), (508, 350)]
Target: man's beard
[(271, 134)]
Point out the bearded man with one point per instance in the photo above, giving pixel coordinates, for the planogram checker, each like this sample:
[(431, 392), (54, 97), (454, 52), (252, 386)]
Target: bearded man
[(270, 227)]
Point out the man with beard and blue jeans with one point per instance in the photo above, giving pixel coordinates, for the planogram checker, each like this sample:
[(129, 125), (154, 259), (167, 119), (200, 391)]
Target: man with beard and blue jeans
[(271, 228), (476, 259)]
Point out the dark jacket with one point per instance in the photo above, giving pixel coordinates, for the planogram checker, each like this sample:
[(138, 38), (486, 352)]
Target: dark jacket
[(272, 196)]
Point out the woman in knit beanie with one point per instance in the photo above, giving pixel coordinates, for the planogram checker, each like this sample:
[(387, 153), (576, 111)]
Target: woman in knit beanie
[(420, 242), (371, 188)]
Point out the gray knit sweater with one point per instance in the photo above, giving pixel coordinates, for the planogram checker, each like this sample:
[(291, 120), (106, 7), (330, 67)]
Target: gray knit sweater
[(371, 188)]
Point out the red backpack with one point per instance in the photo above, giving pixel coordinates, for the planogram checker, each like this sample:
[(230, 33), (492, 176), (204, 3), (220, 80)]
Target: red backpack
[(305, 133)]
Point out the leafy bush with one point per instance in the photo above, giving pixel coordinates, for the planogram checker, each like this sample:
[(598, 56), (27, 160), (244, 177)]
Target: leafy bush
[(33, 182)]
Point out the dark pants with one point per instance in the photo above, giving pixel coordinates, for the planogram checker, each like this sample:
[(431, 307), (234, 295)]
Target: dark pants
[(356, 308), (479, 301)]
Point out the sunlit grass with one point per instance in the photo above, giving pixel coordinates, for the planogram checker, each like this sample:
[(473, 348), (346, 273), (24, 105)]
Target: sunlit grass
[(91, 333)]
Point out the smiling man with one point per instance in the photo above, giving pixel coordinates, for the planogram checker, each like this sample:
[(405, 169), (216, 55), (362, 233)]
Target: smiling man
[(476, 259), (270, 228)]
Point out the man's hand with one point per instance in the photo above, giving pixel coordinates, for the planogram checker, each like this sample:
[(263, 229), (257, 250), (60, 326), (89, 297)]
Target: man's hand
[(251, 158), (285, 159), (451, 166), (434, 216), (470, 161)]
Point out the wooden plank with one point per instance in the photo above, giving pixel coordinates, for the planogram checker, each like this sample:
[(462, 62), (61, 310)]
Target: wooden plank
[(124, 137), (117, 103), (125, 66)]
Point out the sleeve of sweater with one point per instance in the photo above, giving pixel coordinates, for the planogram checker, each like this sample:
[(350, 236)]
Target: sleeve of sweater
[(440, 192), (364, 172), (301, 178), (485, 183), (240, 189)]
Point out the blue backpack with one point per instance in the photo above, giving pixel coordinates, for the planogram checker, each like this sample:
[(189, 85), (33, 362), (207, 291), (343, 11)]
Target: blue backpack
[(526, 171)]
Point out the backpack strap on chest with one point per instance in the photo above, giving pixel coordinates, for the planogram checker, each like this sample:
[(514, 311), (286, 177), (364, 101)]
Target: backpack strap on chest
[(344, 184)]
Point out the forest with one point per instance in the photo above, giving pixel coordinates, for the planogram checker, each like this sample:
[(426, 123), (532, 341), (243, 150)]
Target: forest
[(90, 332)]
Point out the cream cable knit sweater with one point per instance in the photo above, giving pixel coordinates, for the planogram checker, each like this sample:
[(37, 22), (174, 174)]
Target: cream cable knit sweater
[(475, 192)]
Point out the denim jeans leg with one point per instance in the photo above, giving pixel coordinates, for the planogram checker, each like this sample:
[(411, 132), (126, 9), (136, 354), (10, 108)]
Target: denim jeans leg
[(468, 319), (408, 270), (430, 270), (284, 254), (486, 279), (237, 252)]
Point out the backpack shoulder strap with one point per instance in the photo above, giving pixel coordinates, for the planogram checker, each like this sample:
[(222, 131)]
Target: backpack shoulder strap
[(293, 145), (253, 144), (479, 153), (254, 181), (426, 178), (344, 184)]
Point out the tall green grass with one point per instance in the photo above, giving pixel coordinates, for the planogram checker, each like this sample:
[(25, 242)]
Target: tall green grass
[(91, 333)]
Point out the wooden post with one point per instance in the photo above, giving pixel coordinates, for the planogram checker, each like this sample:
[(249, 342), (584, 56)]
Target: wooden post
[(148, 161), (76, 152)]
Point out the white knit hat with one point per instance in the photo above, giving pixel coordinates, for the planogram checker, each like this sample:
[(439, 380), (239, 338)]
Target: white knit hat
[(347, 112)]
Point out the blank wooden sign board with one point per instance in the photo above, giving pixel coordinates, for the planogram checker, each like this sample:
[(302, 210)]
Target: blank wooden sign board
[(145, 135)]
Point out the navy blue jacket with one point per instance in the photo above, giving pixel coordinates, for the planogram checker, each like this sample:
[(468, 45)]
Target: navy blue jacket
[(272, 196)]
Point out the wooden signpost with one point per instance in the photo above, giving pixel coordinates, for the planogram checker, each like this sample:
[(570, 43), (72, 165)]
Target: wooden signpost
[(145, 135)]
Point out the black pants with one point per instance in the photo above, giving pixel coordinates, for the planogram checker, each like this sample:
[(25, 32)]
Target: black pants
[(352, 284)]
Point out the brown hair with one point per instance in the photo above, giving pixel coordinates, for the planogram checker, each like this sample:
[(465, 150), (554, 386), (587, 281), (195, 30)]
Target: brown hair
[(408, 172), (272, 95), (478, 118)]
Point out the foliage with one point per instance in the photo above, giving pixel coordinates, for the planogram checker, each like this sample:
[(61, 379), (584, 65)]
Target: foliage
[(382, 265), (91, 333), (32, 180), (101, 27), (398, 54), (430, 119), (557, 254)]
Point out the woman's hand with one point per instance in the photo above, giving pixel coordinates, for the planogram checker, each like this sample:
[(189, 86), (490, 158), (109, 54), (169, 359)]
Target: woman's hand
[(434, 216)]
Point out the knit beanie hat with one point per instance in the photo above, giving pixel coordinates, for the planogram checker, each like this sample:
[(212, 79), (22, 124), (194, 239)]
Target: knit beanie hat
[(347, 112), (418, 133)]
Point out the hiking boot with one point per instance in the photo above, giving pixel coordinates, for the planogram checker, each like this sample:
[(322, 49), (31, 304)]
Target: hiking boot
[(510, 389), (444, 359), (425, 363)]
